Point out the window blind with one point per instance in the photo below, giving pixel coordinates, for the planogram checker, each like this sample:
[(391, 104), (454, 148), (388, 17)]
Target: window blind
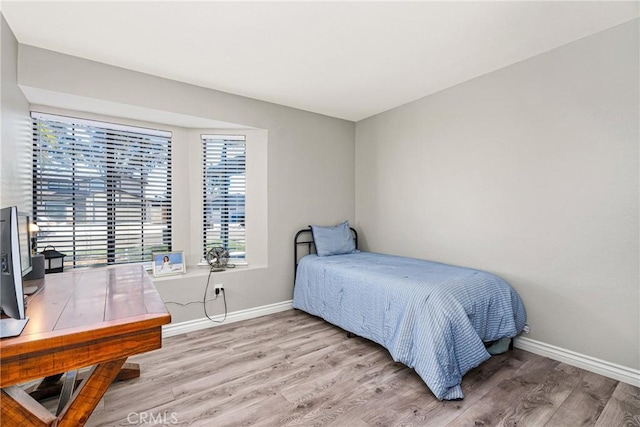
[(223, 197), (101, 191)]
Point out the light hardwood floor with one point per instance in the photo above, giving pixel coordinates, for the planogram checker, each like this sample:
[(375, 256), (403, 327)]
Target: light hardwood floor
[(293, 369)]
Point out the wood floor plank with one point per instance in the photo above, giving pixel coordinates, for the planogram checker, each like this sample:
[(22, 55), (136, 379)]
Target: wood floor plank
[(254, 388), (304, 337), (388, 396), (414, 409), (291, 368), (623, 409), (539, 405), (585, 404), (328, 403), (228, 370), (247, 415), (493, 407), (115, 399)]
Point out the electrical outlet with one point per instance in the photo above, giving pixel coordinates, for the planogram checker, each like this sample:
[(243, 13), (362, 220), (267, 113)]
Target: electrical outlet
[(217, 290)]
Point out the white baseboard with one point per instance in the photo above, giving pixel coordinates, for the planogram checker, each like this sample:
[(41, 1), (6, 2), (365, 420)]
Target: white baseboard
[(598, 366), (198, 324)]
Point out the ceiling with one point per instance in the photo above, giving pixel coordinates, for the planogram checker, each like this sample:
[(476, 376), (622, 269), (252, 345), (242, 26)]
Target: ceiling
[(349, 60)]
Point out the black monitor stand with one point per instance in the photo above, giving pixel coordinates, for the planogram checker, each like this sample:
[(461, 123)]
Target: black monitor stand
[(10, 327)]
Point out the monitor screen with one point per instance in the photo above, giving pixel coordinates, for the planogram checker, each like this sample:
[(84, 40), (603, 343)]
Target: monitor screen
[(14, 252), (24, 238), (11, 259)]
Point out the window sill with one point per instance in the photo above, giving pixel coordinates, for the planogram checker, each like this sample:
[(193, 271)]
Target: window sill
[(239, 263), (203, 271)]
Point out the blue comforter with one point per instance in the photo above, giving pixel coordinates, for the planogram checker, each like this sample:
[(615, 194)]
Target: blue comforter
[(431, 317)]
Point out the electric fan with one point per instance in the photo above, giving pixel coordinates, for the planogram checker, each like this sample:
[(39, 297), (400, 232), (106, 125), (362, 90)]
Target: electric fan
[(218, 257)]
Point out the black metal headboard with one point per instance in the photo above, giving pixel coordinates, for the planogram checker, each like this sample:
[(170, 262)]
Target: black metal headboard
[(305, 237)]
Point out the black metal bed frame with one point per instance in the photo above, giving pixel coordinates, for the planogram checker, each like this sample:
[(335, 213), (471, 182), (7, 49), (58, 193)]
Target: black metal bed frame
[(311, 247)]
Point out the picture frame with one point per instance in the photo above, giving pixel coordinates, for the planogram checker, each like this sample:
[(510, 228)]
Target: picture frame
[(168, 263)]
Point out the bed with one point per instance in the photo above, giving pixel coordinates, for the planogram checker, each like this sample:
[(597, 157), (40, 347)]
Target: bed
[(435, 318)]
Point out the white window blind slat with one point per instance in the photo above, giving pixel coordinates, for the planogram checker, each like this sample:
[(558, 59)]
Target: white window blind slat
[(102, 191)]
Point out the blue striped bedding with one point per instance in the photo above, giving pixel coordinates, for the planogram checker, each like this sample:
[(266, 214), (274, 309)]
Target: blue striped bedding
[(431, 317)]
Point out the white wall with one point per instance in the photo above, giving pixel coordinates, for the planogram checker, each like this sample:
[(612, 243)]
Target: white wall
[(300, 188), (530, 172), (15, 146)]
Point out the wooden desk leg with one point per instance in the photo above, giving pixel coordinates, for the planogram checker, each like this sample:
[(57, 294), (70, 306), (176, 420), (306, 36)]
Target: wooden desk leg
[(129, 371), (48, 387), (67, 390), (52, 386), (17, 408), (89, 393)]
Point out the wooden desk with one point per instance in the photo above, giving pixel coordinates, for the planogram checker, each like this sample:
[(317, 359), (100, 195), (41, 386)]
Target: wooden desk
[(96, 318)]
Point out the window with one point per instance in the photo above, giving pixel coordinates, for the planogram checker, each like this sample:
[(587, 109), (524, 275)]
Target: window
[(223, 195), (101, 191)]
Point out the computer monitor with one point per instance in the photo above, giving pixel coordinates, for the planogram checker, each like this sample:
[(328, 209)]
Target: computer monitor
[(15, 262)]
